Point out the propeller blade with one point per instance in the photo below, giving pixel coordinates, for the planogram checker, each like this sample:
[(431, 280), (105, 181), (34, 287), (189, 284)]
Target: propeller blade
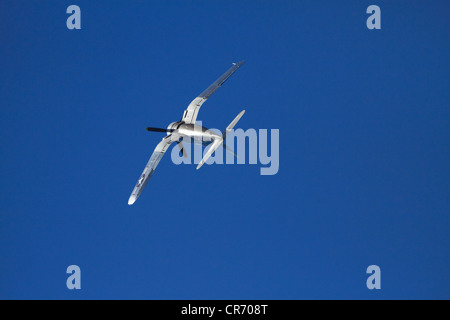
[(158, 129), (183, 151)]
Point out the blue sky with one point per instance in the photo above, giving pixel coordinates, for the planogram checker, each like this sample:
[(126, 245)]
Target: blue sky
[(364, 150)]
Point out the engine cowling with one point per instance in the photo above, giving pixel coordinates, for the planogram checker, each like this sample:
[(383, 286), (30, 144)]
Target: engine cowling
[(173, 126)]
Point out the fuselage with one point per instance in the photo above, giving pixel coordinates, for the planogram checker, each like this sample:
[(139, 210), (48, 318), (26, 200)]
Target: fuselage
[(199, 134)]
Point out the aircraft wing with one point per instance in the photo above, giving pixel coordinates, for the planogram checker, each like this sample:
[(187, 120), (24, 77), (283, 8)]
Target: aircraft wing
[(158, 153), (190, 114)]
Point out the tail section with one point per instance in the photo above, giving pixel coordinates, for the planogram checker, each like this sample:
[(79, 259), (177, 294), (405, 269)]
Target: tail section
[(217, 142), (232, 124), (213, 148), (229, 128)]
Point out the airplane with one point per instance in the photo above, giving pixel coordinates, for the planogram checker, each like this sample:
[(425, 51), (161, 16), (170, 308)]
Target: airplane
[(187, 130)]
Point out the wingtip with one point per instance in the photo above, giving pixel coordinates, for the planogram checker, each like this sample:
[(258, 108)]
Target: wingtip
[(131, 200)]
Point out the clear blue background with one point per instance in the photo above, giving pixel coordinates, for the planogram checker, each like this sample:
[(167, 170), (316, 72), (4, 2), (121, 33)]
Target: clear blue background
[(364, 150)]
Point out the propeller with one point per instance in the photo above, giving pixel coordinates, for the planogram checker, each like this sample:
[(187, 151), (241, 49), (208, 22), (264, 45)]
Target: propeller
[(180, 145), (158, 129), (183, 151)]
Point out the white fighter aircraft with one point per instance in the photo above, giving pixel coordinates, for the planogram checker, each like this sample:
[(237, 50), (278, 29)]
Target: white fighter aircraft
[(187, 129)]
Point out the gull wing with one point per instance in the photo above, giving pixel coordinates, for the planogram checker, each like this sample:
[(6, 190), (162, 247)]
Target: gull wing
[(190, 114), (158, 153)]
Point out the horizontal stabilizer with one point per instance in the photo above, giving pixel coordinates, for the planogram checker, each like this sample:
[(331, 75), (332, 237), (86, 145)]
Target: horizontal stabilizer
[(232, 124), (208, 154)]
